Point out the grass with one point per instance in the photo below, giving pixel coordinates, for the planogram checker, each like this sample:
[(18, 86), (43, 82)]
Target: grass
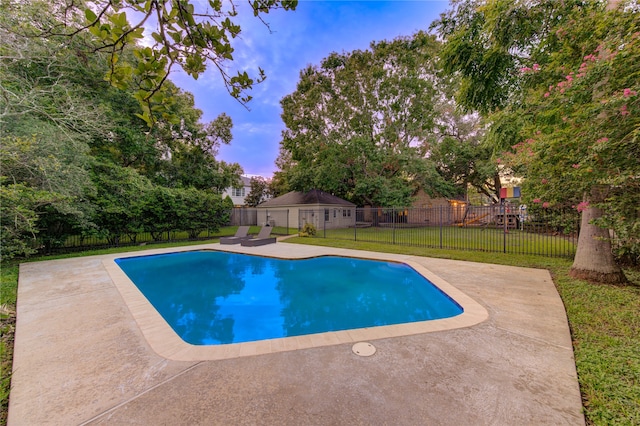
[(461, 238), (8, 293), (604, 321)]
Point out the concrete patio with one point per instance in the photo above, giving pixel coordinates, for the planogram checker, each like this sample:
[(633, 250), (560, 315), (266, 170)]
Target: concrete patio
[(90, 350)]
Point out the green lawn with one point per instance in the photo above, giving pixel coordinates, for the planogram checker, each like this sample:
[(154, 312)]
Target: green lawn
[(461, 238), (604, 321)]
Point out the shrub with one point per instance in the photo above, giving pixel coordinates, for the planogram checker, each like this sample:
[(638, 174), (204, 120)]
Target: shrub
[(308, 230)]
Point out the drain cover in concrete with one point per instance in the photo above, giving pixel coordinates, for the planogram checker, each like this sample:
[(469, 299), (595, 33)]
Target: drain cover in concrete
[(363, 349)]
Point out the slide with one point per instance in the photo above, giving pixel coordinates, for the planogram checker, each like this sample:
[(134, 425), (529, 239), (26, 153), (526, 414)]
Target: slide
[(474, 220)]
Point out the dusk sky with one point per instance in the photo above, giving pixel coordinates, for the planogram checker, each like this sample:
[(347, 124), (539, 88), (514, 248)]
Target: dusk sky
[(299, 38)]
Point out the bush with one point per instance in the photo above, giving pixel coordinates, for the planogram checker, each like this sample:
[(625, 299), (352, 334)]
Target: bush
[(308, 230)]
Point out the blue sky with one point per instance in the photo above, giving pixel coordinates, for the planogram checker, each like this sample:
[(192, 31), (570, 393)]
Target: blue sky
[(299, 38)]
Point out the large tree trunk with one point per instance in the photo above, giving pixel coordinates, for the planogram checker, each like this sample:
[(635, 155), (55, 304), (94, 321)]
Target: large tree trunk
[(594, 259)]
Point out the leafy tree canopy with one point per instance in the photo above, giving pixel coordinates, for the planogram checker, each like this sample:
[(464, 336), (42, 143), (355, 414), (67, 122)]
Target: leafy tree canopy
[(356, 126), (259, 191), (163, 34), (580, 140), (74, 157), (487, 41)]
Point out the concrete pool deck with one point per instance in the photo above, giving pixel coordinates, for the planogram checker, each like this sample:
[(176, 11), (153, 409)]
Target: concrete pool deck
[(84, 355)]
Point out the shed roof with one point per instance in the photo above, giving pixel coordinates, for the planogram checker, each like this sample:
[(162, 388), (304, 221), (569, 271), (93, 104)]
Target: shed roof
[(314, 196)]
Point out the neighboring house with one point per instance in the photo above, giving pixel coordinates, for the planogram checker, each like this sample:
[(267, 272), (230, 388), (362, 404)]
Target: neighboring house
[(323, 210), (440, 210), (238, 194)]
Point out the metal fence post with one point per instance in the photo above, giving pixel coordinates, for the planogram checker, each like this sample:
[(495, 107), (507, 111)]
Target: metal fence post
[(440, 226), (504, 226), (393, 225), (355, 225)]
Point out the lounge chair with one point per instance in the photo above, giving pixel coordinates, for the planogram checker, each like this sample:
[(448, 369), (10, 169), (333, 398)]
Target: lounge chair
[(262, 238), (241, 235)]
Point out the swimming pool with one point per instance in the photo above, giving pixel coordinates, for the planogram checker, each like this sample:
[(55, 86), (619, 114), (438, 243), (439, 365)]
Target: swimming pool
[(216, 298)]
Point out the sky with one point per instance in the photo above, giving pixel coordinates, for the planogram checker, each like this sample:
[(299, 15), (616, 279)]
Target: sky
[(297, 39)]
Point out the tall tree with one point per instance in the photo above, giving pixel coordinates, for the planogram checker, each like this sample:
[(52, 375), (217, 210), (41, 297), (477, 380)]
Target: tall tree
[(487, 42), (458, 149), (190, 149), (259, 191), (553, 90), (356, 125), (279, 184), (581, 144)]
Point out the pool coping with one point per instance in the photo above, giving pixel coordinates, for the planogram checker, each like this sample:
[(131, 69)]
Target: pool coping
[(80, 358), (166, 343)]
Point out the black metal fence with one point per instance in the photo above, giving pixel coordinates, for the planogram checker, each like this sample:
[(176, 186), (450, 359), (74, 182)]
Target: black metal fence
[(277, 218), (503, 229), (499, 228), (74, 243)]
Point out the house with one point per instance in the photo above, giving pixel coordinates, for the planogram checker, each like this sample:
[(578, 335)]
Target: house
[(238, 194), (429, 211), (321, 209)]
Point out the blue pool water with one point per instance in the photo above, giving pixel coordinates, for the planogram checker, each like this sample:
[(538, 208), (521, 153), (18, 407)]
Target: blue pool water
[(212, 298)]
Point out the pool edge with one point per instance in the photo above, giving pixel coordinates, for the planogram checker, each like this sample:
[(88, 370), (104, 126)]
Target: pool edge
[(166, 343)]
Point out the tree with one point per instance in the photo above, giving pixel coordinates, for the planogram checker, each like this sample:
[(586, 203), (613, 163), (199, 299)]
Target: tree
[(582, 142), (559, 104), (190, 150), (259, 191), (200, 210), (51, 80), (75, 158), (120, 200), (18, 218), (41, 177), (487, 42), (45, 79), (458, 149), (279, 184), (356, 125), (185, 34)]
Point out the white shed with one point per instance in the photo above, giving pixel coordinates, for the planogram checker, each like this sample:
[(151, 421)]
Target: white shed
[(323, 210)]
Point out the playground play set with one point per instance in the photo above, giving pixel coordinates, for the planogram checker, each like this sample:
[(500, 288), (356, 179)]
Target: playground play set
[(502, 215)]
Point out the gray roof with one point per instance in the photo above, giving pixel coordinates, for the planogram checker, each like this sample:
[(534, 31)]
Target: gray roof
[(306, 198)]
